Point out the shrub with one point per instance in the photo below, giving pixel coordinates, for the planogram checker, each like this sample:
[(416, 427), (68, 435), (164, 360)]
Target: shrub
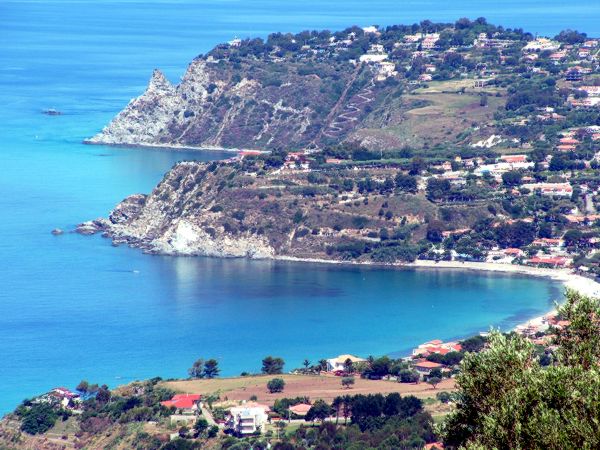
[(276, 385)]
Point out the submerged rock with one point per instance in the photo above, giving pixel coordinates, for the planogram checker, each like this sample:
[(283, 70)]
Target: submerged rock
[(57, 232)]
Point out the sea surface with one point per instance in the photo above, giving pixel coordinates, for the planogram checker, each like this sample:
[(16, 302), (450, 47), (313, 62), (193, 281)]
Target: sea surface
[(74, 307)]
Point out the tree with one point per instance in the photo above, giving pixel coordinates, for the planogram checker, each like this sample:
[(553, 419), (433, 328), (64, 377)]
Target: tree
[(572, 238), (103, 395), (306, 363), (275, 385), (435, 229), (406, 183), (200, 426), (417, 165), (272, 366), (83, 387), (348, 366), (512, 178), (318, 411), (408, 376), (473, 344), (37, 418), (197, 369), (569, 36), (443, 397), (211, 369), (506, 399), (435, 373), (434, 381), (322, 365), (347, 382), (437, 188)]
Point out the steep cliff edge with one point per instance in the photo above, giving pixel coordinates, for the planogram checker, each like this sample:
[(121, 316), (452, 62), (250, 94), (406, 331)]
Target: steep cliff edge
[(249, 104)]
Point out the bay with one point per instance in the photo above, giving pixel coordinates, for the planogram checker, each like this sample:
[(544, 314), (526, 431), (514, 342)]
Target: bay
[(74, 307)]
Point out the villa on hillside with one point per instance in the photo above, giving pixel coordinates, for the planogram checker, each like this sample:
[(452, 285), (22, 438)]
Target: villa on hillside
[(247, 419), (560, 189), (425, 367), (335, 364), (300, 409)]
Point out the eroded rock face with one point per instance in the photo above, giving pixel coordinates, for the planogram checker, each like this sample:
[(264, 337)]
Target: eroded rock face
[(176, 219), (229, 105)]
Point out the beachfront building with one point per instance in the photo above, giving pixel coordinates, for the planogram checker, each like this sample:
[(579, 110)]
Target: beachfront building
[(436, 346), (335, 364), (247, 419)]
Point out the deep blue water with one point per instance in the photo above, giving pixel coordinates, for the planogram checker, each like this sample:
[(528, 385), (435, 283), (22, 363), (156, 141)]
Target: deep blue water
[(74, 307)]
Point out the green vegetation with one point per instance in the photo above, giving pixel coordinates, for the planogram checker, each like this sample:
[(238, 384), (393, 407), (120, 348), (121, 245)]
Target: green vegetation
[(272, 366), (507, 399), (275, 385)]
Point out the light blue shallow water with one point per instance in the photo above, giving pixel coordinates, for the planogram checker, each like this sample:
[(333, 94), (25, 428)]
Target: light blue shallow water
[(73, 307)]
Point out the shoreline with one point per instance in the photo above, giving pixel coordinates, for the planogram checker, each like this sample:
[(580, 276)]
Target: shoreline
[(567, 277), (173, 147)]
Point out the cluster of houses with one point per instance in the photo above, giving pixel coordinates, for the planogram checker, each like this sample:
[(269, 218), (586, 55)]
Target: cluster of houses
[(63, 398)]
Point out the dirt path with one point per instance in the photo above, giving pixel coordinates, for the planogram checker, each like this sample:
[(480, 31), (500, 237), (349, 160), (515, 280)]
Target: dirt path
[(351, 111)]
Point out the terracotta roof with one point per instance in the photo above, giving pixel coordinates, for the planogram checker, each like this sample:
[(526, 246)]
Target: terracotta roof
[(300, 409), (438, 445), (429, 365), (182, 401)]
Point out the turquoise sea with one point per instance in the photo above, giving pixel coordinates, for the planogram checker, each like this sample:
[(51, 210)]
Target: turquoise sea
[(74, 307)]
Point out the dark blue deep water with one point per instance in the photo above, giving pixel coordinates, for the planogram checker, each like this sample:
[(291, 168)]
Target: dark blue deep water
[(74, 307)]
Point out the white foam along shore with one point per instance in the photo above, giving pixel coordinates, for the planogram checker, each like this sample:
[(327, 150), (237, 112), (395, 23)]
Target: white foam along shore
[(173, 147), (570, 280)]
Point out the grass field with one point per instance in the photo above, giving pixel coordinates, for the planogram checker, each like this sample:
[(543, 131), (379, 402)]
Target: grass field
[(430, 117), (314, 387)]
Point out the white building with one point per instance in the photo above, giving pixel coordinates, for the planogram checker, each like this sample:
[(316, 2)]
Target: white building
[(541, 44), (248, 418), (335, 364), (371, 30), (560, 189)]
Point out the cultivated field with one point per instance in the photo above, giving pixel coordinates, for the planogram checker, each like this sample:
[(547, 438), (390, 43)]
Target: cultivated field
[(314, 387)]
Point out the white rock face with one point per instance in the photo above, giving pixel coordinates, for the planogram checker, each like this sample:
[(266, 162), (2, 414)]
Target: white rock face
[(146, 117), (168, 221), (185, 238)]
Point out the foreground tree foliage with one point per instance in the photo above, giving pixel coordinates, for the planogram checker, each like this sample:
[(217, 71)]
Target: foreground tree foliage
[(508, 400)]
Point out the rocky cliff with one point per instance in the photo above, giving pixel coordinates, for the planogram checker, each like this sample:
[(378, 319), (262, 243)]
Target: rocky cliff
[(253, 104), (244, 207)]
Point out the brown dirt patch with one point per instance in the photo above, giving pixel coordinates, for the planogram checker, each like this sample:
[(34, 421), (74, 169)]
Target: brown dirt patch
[(315, 387)]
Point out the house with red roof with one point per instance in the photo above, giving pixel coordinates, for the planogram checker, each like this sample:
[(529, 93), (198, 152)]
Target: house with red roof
[(554, 261), (514, 158), (186, 403), (301, 409), (425, 367)]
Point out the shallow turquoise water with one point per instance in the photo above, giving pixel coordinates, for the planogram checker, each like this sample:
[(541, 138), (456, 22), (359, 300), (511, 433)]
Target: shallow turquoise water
[(74, 307)]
